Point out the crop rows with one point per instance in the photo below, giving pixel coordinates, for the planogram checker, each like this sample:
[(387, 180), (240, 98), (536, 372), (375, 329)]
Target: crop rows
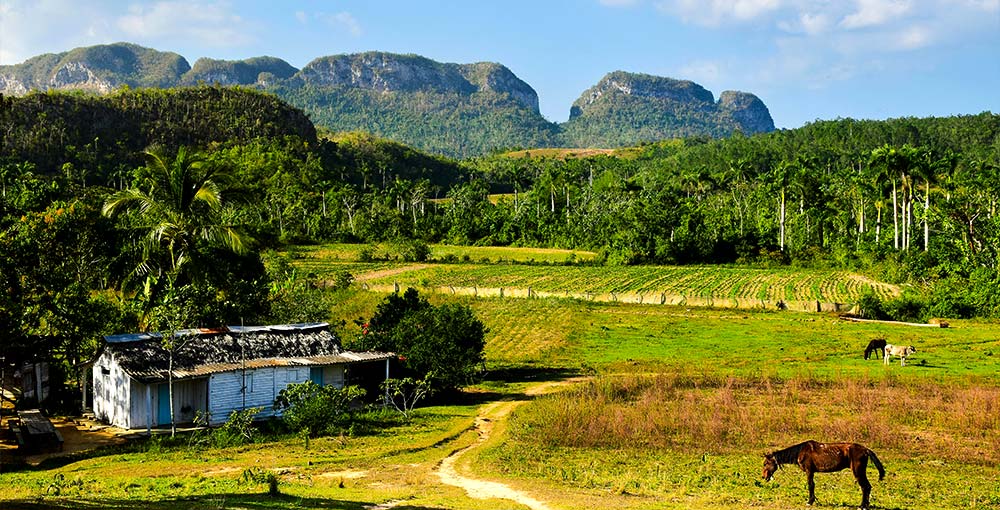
[(743, 284)]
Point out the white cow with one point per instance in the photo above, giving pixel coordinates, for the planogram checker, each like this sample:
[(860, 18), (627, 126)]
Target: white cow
[(900, 351)]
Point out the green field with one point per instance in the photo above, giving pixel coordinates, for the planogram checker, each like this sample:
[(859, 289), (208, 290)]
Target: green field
[(740, 384), (684, 286), (680, 404)]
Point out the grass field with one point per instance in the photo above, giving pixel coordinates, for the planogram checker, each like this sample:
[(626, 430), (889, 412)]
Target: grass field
[(681, 404), (541, 272), (740, 384)]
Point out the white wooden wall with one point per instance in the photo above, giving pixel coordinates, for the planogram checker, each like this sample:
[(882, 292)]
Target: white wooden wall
[(123, 402), (113, 392), (263, 385)]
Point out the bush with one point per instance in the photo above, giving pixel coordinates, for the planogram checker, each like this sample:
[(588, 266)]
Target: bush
[(870, 307), (238, 429), (907, 308), (411, 250), (950, 298), (314, 408)]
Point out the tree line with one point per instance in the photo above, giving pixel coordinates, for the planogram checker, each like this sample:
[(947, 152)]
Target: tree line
[(904, 200)]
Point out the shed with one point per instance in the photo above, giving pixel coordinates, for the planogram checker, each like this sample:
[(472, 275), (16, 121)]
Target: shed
[(217, 371)]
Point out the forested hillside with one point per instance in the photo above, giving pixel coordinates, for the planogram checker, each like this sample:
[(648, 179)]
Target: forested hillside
[(151, 209), (909, 198), (626, 108)]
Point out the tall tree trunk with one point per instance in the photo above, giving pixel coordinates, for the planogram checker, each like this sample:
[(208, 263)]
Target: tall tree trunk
[(927, 213), (170, 390), (895, 218), (878, 224), (781, 235)]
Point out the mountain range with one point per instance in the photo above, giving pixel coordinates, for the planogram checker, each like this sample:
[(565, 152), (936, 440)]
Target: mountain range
[(460, 110)]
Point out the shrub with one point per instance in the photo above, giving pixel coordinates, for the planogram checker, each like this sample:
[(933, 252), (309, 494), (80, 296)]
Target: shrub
[(317, 409), (238, 429), (909, 307), (404, 394), (870, 307), (410, 250), (950, 298), (366, 254)]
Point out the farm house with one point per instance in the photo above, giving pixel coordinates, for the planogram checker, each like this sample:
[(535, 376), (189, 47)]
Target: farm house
[(217, 371)]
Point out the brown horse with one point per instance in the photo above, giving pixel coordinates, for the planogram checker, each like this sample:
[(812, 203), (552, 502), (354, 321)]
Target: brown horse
[(813, 457), (877, 344)]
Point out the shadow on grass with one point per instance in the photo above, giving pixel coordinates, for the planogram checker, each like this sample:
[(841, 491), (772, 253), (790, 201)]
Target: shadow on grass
[(526, 374), (210, 501)]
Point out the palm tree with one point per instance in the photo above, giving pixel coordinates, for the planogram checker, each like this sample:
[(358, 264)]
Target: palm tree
[(899, 162), (179, 206), (782, 177), (177, 209)]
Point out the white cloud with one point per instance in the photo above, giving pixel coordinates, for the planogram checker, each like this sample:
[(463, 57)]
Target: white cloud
[(30, 28), (207, 24), (914, 37), (343, 21), (986, 5), (807, 23), (718, 12), (876, 12)]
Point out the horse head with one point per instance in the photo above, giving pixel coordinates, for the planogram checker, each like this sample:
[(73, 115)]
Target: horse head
[(770, 466)]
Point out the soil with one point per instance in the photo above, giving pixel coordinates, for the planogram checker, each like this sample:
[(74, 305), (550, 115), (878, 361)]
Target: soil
[(488, 416), (77, 437), (389, 272)]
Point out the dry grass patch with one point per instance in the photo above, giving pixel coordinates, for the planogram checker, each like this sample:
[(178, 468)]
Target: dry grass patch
[(914, 418)]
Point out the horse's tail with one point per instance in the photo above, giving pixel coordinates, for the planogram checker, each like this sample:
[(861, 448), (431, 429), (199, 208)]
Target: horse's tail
[(878, 464)]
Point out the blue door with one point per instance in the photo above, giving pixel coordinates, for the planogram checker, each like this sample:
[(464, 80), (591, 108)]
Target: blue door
[(316, 375), (163, 409)]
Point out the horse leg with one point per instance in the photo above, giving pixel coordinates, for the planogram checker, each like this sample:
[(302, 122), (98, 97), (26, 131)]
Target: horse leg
[(812, 487), (866, 487)]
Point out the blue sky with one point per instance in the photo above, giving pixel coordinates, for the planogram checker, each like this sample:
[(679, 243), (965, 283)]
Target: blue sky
[(807, 59)]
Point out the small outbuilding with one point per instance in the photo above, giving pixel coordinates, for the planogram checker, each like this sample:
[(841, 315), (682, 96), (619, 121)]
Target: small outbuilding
[(218, 371)]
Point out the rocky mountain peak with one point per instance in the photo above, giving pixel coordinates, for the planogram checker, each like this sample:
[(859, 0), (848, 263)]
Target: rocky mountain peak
[(390, 72), (747, 110), (95, 68), (261, 71), (639, 85)]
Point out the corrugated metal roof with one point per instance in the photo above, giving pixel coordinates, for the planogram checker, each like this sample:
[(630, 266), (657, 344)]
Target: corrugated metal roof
[(203, 352)]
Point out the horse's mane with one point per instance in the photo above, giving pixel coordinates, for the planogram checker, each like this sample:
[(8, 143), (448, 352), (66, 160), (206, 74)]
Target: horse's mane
[(789, 455)]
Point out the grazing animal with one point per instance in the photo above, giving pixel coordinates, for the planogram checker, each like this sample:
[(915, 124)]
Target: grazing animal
[(877, 344), (900, 351), (815, 457)]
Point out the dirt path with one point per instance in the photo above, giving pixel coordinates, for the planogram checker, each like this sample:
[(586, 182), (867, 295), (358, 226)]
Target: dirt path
[(488, 416), (389, 272)]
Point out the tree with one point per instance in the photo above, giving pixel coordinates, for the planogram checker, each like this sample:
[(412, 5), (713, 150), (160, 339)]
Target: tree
[(178, 209), (443, 343)]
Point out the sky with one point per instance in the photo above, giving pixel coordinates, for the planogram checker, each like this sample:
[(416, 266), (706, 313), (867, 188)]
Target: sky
[(807, 60)]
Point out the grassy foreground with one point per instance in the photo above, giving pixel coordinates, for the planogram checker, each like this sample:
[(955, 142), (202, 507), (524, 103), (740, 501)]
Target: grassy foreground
[(685, 402), (682, 404)]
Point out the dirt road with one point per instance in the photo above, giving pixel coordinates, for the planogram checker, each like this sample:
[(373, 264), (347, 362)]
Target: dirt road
[(485, 422)]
